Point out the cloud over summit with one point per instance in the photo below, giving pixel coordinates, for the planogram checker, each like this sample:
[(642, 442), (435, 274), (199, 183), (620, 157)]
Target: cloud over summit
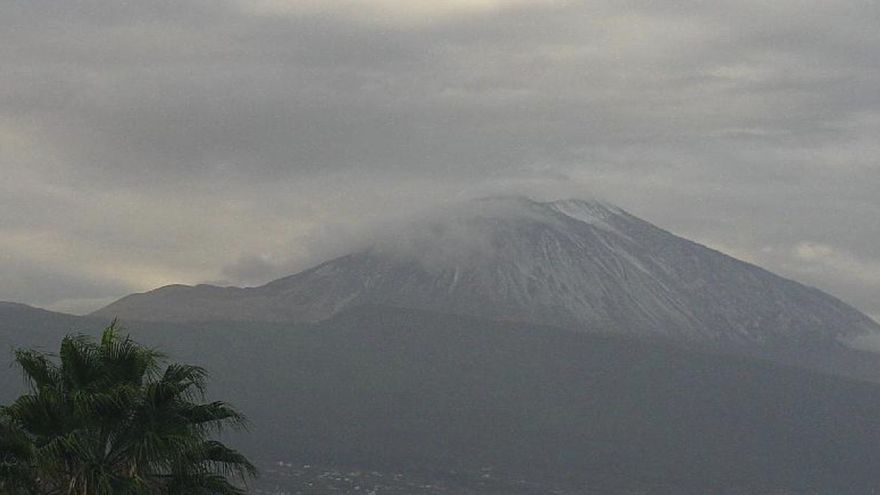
[(186, 141)]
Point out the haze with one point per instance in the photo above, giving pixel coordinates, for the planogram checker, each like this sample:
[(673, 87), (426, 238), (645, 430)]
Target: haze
[(149, 143)]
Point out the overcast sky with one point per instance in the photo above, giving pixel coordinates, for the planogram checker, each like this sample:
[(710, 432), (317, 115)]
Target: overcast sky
[(146, 143)]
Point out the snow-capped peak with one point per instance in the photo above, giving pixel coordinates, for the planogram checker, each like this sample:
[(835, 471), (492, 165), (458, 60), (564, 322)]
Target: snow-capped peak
[(579, 264), (595, 213)]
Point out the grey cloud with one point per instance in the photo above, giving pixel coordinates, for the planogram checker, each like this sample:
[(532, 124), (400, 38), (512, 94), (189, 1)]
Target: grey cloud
[(213, 141), (250, 270), (46, 286)]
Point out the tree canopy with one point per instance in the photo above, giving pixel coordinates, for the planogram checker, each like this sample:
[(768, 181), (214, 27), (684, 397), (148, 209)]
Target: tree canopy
[(111, 417)]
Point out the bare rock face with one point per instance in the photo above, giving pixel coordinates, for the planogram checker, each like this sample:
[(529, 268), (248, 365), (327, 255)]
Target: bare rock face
[(575, 264)]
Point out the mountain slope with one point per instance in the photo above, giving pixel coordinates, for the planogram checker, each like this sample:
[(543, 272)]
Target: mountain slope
[(575, 264), (390, 389)]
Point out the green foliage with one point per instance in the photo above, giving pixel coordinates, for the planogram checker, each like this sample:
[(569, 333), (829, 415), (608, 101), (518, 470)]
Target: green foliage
[(106, 418)]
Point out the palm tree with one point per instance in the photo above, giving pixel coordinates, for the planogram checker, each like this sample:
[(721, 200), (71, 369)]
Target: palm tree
[(16, 455), (108, 418)]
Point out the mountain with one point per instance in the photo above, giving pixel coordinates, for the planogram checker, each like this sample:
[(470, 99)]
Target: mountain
[(393, 390), (575, 264)]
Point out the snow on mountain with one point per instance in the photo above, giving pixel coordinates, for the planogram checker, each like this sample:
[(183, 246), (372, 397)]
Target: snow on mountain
[(576, 264)]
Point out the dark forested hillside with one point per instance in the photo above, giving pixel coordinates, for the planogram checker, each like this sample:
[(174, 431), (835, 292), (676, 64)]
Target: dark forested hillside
[(387, 388)]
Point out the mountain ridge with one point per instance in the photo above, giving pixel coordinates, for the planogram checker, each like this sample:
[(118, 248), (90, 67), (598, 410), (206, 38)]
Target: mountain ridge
[(570, 263)]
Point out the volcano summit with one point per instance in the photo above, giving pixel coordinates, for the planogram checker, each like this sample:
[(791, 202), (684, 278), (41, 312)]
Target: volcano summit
[(583, 265)]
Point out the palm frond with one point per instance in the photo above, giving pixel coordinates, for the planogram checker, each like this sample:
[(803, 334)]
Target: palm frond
[(124, 360), (80, 365), (17, 476), (42, 414), (106, 418), (214, 415), (224, 460), (187, 376), (38, 369)]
